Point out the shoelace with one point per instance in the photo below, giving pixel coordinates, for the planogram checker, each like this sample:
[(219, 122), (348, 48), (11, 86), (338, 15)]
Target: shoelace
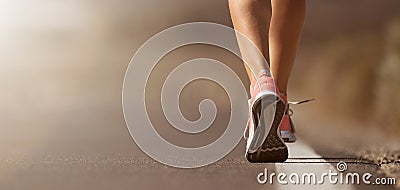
[(302, 102), (298, 103), (289, 110)]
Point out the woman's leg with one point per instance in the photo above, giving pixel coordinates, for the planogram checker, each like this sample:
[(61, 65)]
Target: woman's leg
[(284, 36), (251, 18)]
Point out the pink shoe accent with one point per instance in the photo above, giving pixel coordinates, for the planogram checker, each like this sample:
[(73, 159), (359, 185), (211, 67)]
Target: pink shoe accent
[(285, 123), (264, 83)]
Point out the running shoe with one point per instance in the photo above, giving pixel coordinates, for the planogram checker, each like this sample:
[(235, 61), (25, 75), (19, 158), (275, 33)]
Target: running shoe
[(286, 127), (264, 142)]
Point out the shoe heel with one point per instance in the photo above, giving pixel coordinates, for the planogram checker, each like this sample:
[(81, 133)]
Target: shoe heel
[(273, 149)]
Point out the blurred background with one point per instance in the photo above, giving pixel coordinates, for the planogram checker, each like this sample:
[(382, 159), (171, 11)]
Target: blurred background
[(62, 65)]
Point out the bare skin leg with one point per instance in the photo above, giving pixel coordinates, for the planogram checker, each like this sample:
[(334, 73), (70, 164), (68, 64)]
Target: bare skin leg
[(251, 18), (284, 36), (277, 37)]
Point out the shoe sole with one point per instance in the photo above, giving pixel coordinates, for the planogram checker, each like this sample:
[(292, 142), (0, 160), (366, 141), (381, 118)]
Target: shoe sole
[(288, 137), (273, 148)]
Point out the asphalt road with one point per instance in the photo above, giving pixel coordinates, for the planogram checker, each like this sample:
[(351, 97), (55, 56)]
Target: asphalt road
[(133, 170)]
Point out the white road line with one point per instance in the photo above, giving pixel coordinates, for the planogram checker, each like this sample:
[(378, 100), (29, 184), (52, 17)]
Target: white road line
[(302, 150)]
